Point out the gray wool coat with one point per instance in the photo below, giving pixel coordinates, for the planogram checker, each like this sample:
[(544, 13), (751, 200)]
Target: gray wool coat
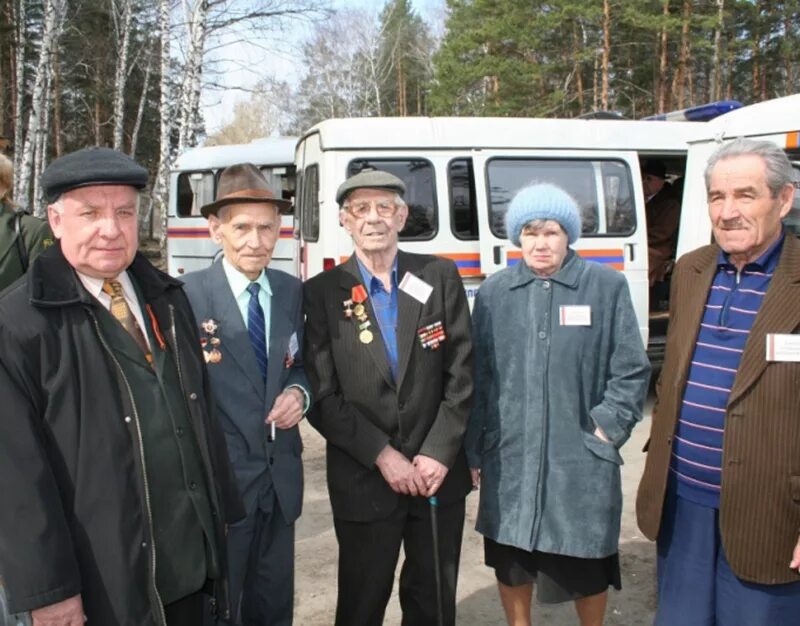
[(547, 482)]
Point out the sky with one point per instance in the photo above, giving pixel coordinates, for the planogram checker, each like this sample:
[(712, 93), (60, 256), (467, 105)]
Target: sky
[(240, 65)]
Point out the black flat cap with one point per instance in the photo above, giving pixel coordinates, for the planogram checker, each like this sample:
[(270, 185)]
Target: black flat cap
[(655, 168), (369, 179), (91, 166)]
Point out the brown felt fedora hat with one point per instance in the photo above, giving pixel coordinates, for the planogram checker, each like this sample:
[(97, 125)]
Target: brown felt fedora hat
[(243, 183)]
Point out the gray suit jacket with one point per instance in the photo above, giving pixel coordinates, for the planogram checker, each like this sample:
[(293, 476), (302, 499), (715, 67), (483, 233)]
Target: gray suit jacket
[(361, 407), (242, 398)]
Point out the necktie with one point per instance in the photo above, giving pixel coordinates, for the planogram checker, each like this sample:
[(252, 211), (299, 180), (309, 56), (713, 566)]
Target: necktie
[(122, 312), (255, 328)]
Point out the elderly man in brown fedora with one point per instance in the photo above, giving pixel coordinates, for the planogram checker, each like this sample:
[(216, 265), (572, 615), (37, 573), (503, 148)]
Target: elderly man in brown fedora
[(251, 331)]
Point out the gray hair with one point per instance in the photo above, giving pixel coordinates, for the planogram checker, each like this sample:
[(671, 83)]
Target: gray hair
[(778, 167)]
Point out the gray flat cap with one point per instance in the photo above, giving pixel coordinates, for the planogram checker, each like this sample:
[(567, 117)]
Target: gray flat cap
[(91, 166), (369, 179)]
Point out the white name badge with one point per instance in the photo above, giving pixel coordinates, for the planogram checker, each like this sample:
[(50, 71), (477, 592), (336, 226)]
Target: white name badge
[(416, 287), (294, 346), (575, 315), (783, 347)]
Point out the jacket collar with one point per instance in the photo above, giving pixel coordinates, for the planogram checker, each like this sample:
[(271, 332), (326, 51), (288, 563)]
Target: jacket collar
[(53, 283), (567, 275)]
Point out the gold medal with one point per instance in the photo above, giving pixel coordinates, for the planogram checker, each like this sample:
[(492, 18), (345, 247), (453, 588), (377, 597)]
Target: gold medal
[(359, 310), (365, 336), (214, 356)]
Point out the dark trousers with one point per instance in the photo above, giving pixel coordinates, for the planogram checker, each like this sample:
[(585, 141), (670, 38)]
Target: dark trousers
[(368, 553), (261, 567), (187, 611)]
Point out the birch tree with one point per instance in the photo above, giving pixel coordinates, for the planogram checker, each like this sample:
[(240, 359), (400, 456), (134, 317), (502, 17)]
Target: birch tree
[(196, 15), (21, 36), (158, 198), (122, 13), (54, 12)]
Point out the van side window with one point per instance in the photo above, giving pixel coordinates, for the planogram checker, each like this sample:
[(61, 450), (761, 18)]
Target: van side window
[(195, 189), (281, 180), (618, 196), (420, 196), (602, 189), (792, 220), (463, 210), (309, 209)]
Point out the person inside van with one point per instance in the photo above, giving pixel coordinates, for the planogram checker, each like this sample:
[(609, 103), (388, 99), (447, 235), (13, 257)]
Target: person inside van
[(663, 212)]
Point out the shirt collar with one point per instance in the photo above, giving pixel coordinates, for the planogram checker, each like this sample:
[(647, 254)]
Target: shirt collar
[(239, 282), (370, 279), (95, 285), (766, 263)]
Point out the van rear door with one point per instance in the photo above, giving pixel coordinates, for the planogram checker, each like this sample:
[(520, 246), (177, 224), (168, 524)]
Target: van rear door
[(607, 188)]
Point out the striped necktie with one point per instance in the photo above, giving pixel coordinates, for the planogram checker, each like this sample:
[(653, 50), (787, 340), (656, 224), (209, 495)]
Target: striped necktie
[(122, 312), (255, 328)]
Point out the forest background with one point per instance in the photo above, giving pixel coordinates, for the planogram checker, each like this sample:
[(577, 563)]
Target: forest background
[(130, 74)]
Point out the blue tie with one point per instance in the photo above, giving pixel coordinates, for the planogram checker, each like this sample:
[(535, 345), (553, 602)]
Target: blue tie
[(255, 328)]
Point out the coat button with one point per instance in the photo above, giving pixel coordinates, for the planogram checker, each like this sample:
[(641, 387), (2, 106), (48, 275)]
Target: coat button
[(546, 284), (144, 544), (193, 396), (542, 334), (127, 419), (179, 431), (192, 485)]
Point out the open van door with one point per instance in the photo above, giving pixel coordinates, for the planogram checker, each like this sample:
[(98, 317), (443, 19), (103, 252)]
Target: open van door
[(605, 184)]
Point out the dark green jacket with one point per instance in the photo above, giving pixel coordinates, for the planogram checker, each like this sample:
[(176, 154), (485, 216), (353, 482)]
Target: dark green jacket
[(36, 236), (76, 515)]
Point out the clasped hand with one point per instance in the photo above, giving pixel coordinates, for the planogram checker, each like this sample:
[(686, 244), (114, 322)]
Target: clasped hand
[(421, 477)]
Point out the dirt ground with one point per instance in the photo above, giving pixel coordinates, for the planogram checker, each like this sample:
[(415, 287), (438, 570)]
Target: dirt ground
[(478, 602)]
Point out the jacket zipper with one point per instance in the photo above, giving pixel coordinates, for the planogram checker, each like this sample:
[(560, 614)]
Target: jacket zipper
[(174, 334), (140, 446)]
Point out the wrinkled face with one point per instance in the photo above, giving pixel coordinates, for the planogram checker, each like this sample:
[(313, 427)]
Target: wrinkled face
[(544, 246), (247, 233), (745, 218), (98, 228), (373, 220), (651, 184)]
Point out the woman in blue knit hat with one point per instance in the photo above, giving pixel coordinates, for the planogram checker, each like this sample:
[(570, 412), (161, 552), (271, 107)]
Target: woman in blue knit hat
[(561, 376)]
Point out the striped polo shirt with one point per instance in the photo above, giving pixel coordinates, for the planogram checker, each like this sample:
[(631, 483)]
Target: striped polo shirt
[(731, 307)]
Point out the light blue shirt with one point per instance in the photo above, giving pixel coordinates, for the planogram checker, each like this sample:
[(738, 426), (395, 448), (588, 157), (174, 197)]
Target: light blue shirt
[(239, 284)]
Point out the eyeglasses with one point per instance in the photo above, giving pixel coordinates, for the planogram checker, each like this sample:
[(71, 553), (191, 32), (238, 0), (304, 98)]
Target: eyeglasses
[(361, 210)]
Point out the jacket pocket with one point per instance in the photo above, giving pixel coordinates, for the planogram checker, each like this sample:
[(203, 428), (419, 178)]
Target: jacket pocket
[(491, 439), (794, 483), (601, 449)]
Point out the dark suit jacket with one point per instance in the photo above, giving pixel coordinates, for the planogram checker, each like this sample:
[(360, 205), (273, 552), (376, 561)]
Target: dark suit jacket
[(760, 501), (359, 408), (243, 400)]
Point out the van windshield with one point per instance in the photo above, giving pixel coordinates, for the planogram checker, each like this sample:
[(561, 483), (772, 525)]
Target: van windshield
[(602, 189)]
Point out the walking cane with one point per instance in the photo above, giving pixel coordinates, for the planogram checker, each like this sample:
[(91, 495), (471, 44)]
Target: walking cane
[(437, 566)]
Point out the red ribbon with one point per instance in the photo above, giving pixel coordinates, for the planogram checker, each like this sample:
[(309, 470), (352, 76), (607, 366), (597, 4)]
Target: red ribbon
[(359, 294)]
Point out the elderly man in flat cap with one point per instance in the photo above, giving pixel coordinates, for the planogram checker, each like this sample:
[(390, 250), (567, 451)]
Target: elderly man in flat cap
[(388, 354), (251, 328), (115, 478)]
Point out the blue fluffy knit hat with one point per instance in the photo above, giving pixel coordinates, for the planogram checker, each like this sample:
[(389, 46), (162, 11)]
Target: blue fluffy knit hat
[(543, 201)]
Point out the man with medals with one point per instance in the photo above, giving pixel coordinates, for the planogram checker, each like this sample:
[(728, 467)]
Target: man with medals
[(388, 355), (251, 329)]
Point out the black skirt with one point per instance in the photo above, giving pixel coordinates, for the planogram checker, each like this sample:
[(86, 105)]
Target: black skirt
[(558, 578)]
